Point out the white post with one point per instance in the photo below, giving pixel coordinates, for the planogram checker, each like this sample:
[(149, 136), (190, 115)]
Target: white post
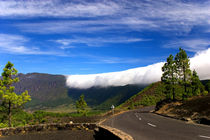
[(112, 107)]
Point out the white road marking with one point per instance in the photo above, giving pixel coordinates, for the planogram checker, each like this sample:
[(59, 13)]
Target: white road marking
[(136, 115), (207, 137), (152, 125)]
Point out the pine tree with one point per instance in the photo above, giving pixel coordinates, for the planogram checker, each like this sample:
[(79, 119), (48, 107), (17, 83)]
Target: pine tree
[(183, 70), (8, 97), (169, 77), (81, 105), (197, 86), (207, 86)]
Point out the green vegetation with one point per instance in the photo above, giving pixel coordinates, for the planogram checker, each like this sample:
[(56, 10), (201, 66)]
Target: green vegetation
[(169, 77), (10, 100), (81, 106), (183, 72), (207, 86), (179, 81), (50, 91), (197, 86), (148, 96), (47, 91), (23, 118)]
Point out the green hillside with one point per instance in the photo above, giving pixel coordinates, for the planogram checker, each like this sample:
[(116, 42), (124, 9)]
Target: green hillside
[(103, 98), (50, 91), (46, 90), (148, 96), (206, 83), (151, 95)]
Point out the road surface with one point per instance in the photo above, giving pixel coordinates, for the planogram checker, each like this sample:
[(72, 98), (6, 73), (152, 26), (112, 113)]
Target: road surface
[(142, 125)]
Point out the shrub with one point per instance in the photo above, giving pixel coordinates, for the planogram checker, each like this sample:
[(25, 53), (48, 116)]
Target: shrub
[(2, 125)]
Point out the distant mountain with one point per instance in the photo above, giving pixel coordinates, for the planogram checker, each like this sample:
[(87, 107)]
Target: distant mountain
[(103, 98), (48, 91)]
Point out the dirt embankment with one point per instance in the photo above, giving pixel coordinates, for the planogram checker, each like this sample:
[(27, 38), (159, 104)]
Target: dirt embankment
[(196, 109), (79, 131), (54, 135)]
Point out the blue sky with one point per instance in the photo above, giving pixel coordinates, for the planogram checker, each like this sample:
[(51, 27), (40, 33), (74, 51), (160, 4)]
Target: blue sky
[(88, 37)]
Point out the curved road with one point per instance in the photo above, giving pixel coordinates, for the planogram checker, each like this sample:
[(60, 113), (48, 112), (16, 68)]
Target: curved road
[(142, 125)]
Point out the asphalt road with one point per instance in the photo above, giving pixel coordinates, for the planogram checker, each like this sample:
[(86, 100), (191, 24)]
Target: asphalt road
[(142, 125)]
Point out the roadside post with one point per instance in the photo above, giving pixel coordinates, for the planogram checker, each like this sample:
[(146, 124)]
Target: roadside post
[(112, 107)]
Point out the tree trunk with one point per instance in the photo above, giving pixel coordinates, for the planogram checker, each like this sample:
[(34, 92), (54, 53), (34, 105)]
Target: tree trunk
[(173, 84), (173, 93), (9, 114), (185, 84)]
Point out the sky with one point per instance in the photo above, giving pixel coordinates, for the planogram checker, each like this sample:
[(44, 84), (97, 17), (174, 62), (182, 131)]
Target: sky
[(79, 37)]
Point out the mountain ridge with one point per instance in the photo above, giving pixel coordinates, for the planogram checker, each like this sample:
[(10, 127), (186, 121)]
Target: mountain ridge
[(49, 91)]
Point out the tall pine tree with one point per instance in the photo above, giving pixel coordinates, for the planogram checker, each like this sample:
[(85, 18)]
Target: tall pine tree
[(197, 86), (8, 97), (183, 70), (169, 77)]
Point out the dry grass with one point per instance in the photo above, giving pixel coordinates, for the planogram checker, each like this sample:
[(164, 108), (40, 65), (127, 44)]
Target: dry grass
[(194, 108)]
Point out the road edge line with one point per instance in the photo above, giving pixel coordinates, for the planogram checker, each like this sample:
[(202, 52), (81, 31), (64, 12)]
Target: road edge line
[(122, 135)]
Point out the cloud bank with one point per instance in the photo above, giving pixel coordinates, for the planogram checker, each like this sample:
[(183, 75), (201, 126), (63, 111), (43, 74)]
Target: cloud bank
[(142, 75)]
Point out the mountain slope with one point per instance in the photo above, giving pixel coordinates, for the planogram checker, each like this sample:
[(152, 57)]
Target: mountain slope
[(45, 90), (49, 91), (148, 96), (151, 95), (103, 98)]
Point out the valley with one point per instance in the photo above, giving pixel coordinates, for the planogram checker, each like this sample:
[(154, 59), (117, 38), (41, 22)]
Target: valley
[(49, 92)]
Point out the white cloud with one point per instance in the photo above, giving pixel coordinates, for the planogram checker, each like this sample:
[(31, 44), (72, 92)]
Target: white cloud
[(112, 60), (55, 8), (124, 15), (66, 47), (60, 26), (15, 44), (193, 45), (201, 63), (142, 75), (98, 41)]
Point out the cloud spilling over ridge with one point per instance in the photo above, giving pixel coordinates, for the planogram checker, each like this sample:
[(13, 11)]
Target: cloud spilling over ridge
[(201, 63), (142, 75)]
